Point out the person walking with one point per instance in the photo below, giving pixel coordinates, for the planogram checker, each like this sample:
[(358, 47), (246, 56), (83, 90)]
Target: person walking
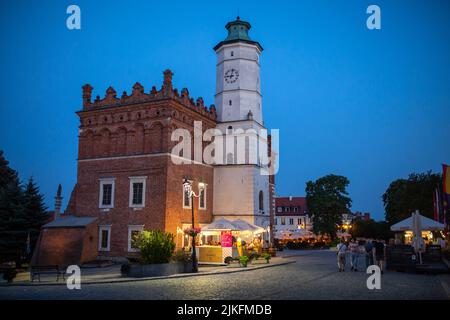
[(353, 246), (379, 252), (342, 250), (369, 255)]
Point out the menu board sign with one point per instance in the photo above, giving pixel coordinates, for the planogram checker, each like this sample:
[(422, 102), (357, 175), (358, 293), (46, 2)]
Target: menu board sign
[(226, 239)]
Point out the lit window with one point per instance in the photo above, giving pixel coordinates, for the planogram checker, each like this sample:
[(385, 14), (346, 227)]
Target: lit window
[(187, 200), (137, 192), (104, 233), (202, 198), (133, 234), (283, 221), (106, 197)]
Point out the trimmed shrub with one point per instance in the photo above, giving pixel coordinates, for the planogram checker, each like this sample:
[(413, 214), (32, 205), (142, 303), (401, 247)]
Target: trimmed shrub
[(182, 256), (155, 246)]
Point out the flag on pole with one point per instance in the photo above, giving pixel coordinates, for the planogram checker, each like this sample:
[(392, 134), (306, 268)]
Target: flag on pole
[(437, 205), (446, 192)]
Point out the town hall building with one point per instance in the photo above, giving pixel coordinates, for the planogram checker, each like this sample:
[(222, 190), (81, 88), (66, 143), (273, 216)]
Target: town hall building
[(127, 180)]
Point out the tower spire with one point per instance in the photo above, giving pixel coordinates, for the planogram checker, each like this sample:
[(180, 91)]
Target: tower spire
[(58, 202)]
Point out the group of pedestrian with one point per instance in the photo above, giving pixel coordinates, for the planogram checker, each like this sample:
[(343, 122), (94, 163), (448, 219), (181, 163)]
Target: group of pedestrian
[(374, 252)]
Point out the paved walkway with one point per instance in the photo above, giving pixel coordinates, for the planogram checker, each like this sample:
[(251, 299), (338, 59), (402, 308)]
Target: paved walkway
[(112, 274), (314, 275)]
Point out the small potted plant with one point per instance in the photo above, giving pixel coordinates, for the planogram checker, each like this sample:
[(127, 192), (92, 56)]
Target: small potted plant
[(243, 260), (267, 257)]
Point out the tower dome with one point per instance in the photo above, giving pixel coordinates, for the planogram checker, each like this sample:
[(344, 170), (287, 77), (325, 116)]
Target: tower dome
[(238, 32)]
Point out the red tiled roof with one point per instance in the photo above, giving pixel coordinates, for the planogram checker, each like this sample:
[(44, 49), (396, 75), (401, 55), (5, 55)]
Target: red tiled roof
[(290, 202)]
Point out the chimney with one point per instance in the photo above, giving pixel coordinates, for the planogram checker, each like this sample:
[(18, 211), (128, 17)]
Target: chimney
[(58, 202)]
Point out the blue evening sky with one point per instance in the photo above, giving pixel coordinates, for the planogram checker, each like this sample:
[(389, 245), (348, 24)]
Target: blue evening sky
[(371, 105)]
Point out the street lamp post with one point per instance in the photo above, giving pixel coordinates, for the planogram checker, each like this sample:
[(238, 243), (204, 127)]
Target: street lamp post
[(188, 188)]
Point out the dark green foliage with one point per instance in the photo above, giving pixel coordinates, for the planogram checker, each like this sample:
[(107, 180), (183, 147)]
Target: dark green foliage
[(155, 246), (12, 219), (243, 260), (34, 211), (182, 256), (22, 213), (327, 199), (371, 229), (404, 196)]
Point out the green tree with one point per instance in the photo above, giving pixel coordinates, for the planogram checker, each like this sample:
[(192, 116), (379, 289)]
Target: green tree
[(327, 199), (22, 213), (371, 229), (35, 211), (12, 218), (404, 196), (6, 173)]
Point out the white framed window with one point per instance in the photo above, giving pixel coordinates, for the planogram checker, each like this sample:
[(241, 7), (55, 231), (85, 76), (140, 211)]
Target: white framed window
[(133, 232), (137, 192), (279, 209), (187, 199), (291, 221), (106, 196), (104, 237), (202, 198)]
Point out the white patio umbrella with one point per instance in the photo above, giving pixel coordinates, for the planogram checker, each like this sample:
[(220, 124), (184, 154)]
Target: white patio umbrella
[(427, 224), (221, 224), (418, 242), (243, 225), (302, 233), (283, 234)]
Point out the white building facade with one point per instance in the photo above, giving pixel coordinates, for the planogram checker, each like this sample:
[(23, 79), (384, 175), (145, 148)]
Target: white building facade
[(291, 213)]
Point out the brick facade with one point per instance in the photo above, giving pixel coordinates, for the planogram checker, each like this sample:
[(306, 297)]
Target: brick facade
[(131, 137)]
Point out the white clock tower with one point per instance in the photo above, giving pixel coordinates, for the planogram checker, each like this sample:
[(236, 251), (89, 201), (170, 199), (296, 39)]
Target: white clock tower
[(238, 89), (241, 191)]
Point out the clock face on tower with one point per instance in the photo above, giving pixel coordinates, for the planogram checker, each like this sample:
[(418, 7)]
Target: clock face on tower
[(231, 75)]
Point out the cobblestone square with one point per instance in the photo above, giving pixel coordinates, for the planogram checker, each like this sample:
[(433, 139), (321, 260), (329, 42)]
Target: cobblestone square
[(314, 275)]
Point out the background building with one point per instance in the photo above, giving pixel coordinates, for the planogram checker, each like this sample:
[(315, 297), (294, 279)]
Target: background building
[(291, 213)]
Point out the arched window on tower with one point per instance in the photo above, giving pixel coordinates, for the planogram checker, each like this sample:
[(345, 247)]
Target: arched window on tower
[(261, 201), (230, 158)]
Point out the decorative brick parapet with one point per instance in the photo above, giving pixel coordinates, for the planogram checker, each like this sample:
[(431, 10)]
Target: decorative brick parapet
[(138, 95)]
